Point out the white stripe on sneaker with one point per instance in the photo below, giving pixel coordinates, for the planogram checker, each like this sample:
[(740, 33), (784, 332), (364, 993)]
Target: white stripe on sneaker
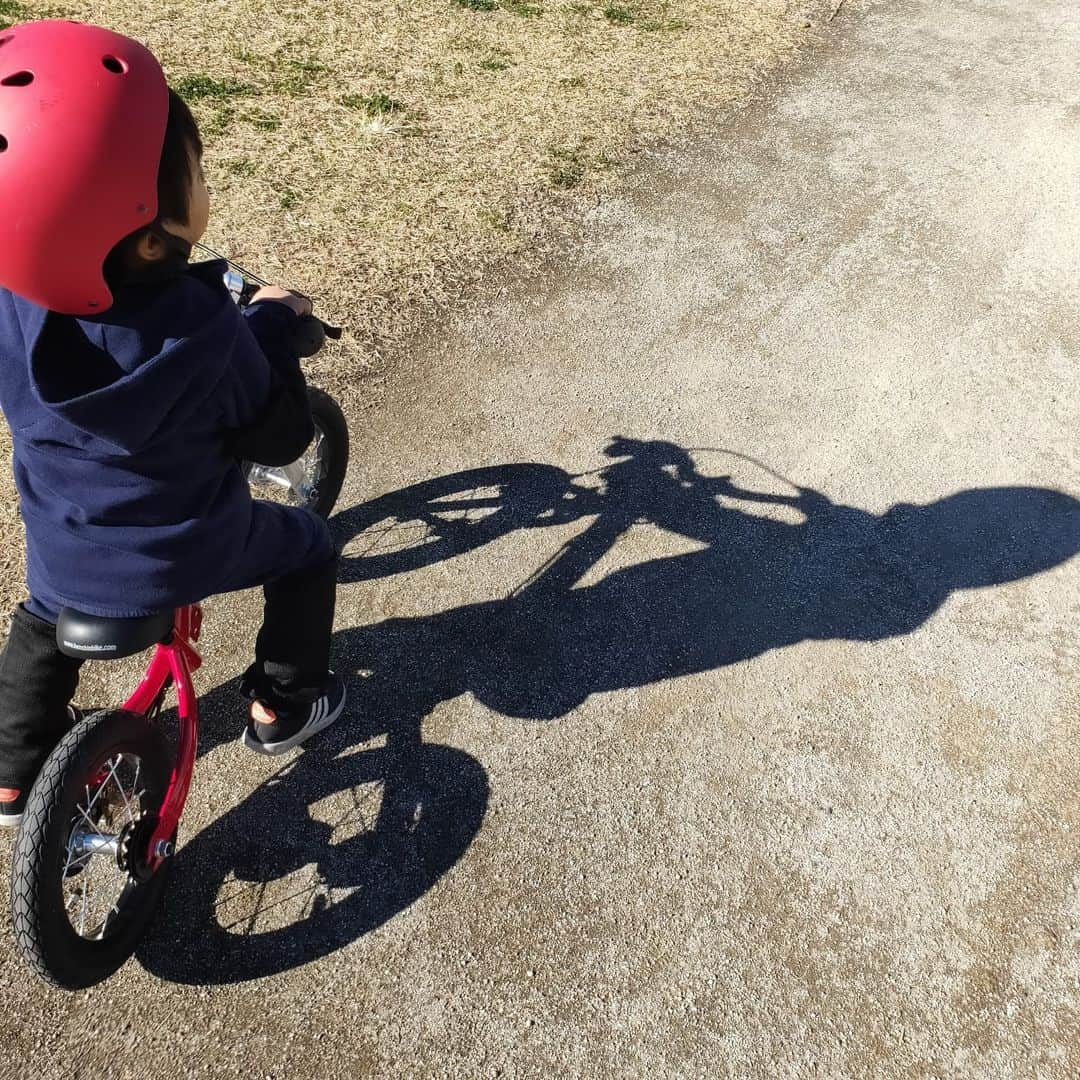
[(323, 713)]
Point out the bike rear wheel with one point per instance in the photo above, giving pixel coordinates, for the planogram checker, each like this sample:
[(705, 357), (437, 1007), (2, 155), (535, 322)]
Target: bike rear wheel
[(81, 895)]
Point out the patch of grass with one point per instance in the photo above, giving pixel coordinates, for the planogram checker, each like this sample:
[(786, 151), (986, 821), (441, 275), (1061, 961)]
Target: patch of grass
[(261, 120), (240, 167), (492, 58), (285, 71), (663, 21), (497, 219), (309, 67), (522, 8), (568, 164), (218, 120), (619, 14), (289, 199), (295, 80), (385, 115), (219, 96), (572, 82), (12, 12), (295, 77), (477, 5), (200, 87), (373, 105)]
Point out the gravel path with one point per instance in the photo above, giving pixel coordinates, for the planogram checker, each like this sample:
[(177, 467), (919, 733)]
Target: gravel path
[(753, 760)]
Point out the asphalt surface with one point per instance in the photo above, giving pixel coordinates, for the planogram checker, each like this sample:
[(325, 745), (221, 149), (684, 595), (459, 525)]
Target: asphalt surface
[(753, 749)]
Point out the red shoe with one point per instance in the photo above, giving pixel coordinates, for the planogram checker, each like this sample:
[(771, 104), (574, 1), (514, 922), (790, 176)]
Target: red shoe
[(12, 805), (13, 800)]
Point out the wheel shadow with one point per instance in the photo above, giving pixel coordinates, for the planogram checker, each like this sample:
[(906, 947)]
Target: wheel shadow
[(281, 896), (333, 845)]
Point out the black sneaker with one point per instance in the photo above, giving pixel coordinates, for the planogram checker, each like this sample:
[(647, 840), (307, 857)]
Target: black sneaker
[(274, 731), (11, 810)]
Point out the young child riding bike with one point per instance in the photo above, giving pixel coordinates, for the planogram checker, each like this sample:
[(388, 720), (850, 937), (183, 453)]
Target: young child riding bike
[(133, 387)]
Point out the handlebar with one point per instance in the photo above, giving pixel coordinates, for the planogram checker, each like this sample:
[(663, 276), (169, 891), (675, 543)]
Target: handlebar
[(311, 332)]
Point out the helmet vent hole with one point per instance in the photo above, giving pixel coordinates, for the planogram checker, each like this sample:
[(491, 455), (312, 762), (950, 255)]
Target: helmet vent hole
[(4, 40), (20, 78), (111, 63), (3, 144)]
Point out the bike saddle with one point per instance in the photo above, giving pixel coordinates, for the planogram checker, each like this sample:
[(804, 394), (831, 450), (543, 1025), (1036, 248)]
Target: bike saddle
[(94, 637)]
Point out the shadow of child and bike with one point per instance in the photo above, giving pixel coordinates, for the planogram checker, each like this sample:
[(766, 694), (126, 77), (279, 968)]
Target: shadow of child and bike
[(370, 830)]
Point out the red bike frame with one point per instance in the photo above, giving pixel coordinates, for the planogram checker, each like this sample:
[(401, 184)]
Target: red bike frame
[(173, 661)]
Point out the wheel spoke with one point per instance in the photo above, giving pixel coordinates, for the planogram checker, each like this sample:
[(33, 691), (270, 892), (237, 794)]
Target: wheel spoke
[(123, 795), (89, 821), (80, 862), (97, 794), (94, 887), (82, 912), (134, 784)]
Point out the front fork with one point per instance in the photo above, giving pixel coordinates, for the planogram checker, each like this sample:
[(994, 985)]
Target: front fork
[(175, 659)]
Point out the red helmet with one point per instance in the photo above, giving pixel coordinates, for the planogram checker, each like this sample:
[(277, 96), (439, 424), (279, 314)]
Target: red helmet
[(82, 123)]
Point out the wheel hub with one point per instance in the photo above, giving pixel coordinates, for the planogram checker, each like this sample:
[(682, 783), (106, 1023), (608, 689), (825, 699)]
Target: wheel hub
[(133, 845)]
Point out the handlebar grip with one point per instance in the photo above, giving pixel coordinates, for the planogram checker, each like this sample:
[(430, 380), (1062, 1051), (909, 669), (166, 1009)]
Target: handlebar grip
[(309, 336)]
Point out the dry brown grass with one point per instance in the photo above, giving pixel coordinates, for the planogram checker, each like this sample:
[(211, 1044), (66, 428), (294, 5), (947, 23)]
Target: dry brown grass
[(380, 155)]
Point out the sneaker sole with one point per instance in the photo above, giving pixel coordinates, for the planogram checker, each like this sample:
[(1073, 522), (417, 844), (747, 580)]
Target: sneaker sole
[(305, 733)]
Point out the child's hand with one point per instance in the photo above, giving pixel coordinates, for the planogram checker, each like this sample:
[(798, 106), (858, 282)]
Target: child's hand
[(300, 304)]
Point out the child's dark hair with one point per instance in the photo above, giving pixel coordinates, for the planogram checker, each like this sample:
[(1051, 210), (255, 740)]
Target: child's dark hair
[(182, 143)]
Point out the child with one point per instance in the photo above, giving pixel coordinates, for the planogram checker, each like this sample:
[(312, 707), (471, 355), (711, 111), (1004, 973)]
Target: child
[(133, 385)]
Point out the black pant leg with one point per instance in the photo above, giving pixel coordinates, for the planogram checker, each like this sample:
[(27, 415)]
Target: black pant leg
[(37, 683), (292, 651)]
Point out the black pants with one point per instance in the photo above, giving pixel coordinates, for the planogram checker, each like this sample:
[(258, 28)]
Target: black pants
[(37, 681)]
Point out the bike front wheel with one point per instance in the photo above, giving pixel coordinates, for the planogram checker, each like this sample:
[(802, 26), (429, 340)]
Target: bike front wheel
[(81, 895), (314, 480)]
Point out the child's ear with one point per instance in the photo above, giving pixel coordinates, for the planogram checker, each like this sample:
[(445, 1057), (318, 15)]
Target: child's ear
[(149, 247)]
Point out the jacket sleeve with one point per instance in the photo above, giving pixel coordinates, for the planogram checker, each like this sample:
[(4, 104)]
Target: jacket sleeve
[(274, 325), (281, 428)]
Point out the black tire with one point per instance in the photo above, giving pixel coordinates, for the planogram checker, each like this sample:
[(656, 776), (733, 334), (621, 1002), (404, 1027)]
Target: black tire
[(43, 931), (330, 420)]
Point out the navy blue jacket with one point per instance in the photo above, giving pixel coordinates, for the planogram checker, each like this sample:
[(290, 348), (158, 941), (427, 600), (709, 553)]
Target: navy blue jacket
[(127, 427)]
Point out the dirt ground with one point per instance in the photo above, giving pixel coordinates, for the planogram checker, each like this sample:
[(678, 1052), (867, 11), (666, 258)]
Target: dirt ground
[(710, 613)]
